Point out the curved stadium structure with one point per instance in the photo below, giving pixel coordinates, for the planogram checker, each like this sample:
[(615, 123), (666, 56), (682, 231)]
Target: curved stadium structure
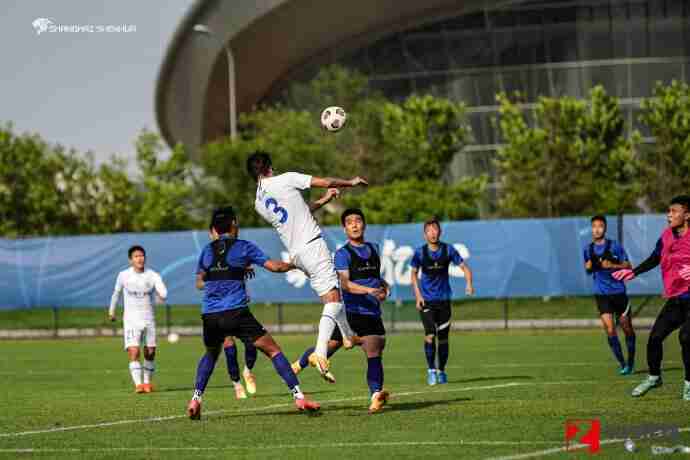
[(466, 50)]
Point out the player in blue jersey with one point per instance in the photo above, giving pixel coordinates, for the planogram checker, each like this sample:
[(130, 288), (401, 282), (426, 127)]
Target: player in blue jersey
[(363, 289), (230, 349), (225, 308), (433, 295), (602, 257)]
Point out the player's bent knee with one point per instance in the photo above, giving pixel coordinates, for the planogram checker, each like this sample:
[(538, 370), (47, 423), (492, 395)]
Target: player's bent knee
[(213, 351), (684, 336), (442, 334), (133, 353), (267, 345), (149, 353)]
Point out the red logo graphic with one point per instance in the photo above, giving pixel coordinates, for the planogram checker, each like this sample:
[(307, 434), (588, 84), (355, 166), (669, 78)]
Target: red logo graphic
[(579, 432)]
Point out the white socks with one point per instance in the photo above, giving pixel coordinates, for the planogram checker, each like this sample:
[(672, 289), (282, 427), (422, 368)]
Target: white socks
[(344, 326), (135, 371), (149, 368), (327, 325), (296, 392)]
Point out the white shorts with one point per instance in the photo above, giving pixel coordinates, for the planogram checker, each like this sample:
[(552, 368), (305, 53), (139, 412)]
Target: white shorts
[(138, 333), (317, 262)]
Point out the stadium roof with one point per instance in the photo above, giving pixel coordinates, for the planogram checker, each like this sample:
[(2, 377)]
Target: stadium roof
[(271, 40)]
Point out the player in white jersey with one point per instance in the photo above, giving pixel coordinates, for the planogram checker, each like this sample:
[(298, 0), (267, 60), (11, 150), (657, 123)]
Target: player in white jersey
[(139, 285), (280, 202)]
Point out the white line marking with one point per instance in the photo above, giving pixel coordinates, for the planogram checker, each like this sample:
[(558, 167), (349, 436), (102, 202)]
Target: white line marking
[(506, 365), (277, 406), (281, 446), (541, 453)]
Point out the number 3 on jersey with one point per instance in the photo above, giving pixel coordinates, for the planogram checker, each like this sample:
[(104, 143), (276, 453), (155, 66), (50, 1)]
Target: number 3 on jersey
[(282, 212)]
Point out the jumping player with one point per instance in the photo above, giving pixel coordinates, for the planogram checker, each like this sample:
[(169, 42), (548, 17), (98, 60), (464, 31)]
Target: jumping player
[(280, 203), (363, 289), (433, 296), (672, 253), (225, 307), (602, 257), (139, 284)]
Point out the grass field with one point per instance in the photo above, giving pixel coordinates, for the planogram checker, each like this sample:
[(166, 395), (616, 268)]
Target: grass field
[(188, 315), (509, 394)]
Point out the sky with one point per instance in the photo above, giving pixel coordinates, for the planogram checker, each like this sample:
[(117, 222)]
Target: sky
[(91, 91)]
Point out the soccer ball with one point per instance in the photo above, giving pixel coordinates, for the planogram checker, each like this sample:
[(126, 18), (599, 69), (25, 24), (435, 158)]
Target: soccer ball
[(333, 118), (173, 337), (629, 445)]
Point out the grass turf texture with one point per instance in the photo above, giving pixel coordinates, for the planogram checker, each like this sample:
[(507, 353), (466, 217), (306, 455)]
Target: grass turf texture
[(188, 315), (508, 393)]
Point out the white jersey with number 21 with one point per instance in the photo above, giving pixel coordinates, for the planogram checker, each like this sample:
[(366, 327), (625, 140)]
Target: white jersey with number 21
[(280, 203)]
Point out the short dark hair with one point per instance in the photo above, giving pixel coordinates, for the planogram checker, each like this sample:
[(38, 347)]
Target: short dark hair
[(258, 164), (352, 212), (134, 249), (222, 219), (432, 221), (599, 218), (683, 200)]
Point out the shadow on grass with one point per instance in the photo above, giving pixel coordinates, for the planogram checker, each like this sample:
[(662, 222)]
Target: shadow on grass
[(361, 409), (232, 392)]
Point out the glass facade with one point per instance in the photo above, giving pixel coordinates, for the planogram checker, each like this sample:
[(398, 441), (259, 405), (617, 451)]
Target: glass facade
[(549, 48)]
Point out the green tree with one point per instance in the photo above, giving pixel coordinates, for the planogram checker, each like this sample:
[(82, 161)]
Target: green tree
[(611, 159), (116, 199), (422, 135), (333, 85), (39, 184), (414, 200), (169, 188), (666, 165), (574, 160)]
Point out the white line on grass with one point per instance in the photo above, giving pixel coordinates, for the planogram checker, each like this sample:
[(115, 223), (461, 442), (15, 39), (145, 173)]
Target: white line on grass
[(281, 405), (499, 365), (280, 446), (541, 453)]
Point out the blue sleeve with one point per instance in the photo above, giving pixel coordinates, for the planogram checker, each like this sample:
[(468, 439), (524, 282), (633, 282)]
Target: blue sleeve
[(254, 255), (455, 256), (204, 261), (620, 253), (659, 247), (416, 261), (342, 259)]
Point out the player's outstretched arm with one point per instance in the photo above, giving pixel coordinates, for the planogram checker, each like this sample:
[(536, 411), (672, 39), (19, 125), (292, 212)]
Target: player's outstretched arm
[(332, 182), (469, 285), (650, 263), (330, 194), (278, 266)]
